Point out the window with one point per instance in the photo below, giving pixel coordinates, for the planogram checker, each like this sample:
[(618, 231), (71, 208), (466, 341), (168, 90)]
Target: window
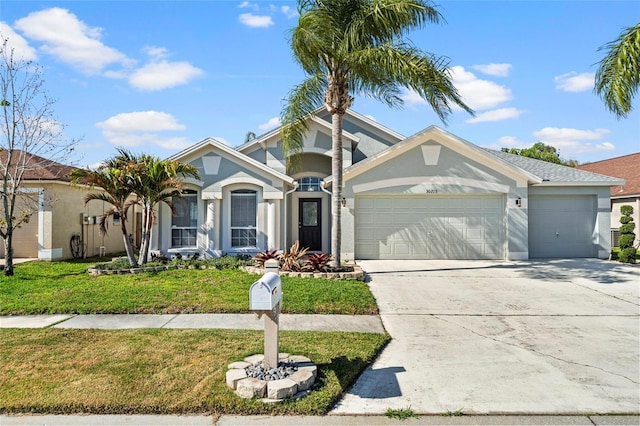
[(309, 184), (185, 221), (244, 208)]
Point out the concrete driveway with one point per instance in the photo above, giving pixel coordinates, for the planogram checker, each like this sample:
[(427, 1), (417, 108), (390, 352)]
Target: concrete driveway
[(535, 337)]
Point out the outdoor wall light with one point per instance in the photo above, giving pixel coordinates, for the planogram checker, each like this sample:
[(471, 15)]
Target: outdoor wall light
[(519, 202), (344, 202)]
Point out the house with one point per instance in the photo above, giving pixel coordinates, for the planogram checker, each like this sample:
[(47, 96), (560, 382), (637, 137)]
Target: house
[(58, 213), (432, 195), (626, 167)]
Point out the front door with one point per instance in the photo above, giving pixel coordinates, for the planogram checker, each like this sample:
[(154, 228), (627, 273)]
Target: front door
[(309, 223)]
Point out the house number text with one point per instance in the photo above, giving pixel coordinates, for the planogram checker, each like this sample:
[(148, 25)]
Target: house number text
[(432, 191)]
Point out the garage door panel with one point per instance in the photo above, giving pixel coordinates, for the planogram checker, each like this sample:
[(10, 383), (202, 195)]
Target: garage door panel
[(421, 227), (562, 226)]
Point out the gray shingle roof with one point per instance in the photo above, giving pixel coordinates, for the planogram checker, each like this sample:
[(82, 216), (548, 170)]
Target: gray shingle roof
[(550, 172)]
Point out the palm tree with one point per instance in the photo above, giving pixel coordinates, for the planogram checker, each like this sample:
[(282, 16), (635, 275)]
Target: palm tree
[(154, 181), (349, 47), (618, 75), (112, 179)]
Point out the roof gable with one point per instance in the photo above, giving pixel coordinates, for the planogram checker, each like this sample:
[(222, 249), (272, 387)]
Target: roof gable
[(321, 112), (210, 144), (446, 139)]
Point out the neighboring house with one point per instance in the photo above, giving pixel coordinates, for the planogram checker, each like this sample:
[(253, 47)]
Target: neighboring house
[(626, 167), (428, 196), (58, 215)]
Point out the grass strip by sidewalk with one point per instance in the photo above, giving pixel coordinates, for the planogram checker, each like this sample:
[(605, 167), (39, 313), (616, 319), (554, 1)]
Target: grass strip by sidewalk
[(163, 371), (66, 288)]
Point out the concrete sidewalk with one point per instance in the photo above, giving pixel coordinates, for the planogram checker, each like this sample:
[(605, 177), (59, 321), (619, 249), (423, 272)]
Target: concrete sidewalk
[(118, 420), (353, 323)]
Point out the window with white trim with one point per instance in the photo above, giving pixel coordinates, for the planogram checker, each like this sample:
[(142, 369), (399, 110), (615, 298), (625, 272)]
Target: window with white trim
[(309, 183), (184, 224), (244, 213)]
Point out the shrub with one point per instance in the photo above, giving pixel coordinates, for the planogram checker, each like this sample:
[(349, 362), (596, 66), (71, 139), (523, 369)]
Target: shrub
[(317, 261), (291, 261), (625, 242), (260, 258)]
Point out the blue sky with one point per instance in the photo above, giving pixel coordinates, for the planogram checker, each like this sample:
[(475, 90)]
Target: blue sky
[(158, 76)]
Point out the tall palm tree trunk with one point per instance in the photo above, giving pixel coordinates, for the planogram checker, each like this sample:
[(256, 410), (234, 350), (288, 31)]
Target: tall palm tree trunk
[(336, 190), (127, 244), (146, 235)]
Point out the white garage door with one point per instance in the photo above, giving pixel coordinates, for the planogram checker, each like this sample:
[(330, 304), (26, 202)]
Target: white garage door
[(430, 227), (562, 226)]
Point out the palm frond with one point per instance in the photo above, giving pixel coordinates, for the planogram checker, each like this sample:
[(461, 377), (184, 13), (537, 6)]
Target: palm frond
[(382, 21), (618, 75), (304, 99)]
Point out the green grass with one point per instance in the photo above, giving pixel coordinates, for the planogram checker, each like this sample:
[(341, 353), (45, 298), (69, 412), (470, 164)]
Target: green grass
[(401, 414), (160, 371), (66, 288)]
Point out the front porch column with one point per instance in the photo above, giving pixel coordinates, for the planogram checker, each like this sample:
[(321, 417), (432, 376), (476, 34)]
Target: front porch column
[(217, 230), (271, 224)]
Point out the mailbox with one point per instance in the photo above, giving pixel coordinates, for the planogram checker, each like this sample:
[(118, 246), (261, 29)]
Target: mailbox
[(265, 293)]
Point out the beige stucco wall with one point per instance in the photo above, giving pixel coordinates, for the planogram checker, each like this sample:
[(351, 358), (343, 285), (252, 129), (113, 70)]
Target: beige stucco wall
[(65, 220), (59, 216), (616, 203)]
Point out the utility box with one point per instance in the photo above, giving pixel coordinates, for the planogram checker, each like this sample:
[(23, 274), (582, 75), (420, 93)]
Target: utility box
[(266, 293)]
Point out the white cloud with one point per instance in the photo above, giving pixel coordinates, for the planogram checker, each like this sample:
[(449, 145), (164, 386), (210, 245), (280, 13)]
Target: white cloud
[(574, 141), (70, 40), (256, 21), (249, 5), (271, 124), (143, 128), (156, 53), (20, 46), (289, 12), (510, 142), (574, 82), (477, 93), (496, 115), (141, 121), (500, 70), (163, 74)]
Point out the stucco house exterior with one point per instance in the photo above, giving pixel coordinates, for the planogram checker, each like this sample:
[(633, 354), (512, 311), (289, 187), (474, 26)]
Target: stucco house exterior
[(431, 195), (626, 167), (58, 214)]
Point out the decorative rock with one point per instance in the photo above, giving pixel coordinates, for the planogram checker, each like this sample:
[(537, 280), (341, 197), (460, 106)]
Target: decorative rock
[(238, 364), (234, 376), (299, 359), (304, 379), (251, 388), (310, 368), (293, 378), (254, 359), (281, 389)]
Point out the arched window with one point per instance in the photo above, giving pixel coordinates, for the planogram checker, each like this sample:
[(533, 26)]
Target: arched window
[(244, 213)]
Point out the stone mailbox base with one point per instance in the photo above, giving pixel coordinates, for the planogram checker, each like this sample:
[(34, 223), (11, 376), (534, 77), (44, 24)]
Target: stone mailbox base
[(295, 385)]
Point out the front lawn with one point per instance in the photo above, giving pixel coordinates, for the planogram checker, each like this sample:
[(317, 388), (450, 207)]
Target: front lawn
[(66, 288), (60, 371)]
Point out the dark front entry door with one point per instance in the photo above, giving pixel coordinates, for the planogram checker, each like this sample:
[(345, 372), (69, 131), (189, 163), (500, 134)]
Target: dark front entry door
[(309, 223)]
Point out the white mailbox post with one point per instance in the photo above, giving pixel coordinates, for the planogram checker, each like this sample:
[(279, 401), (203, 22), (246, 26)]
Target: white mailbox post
[(265, 298)]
